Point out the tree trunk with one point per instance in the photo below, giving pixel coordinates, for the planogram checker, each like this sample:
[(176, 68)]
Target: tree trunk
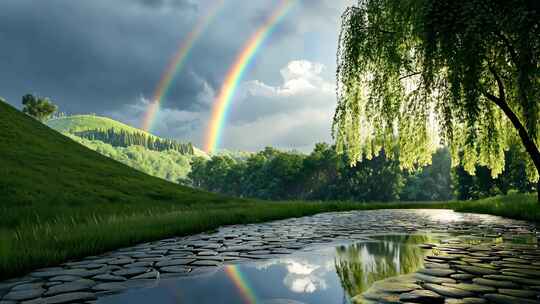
[(530, 147), (526, 139)]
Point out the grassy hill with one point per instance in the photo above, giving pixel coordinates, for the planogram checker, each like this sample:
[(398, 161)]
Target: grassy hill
[(45, 178), (43, 167), (78, 123), (168, 163)]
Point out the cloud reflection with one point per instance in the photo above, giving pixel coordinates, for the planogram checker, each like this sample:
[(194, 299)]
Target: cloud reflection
[(304, 275), (355, 266)]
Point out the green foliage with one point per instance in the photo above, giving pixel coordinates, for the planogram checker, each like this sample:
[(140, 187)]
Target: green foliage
[(168, 164), (376, 179), (516, 206), (164, 158), (122, 138), (92, 127), (41, 108), (282, 173), (211, 174), (325, 175), (482, 184), (320, 170), (234, 154), (413, 73), (277, 175), (430, 183)]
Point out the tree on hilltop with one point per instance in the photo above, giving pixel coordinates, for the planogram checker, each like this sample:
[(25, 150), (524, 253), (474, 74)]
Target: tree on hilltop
[(418, 73), (41, 108)]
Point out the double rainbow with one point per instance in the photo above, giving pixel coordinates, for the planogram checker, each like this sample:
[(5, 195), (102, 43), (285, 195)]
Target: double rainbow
[(177, 63), (223, 101), (235, 74)]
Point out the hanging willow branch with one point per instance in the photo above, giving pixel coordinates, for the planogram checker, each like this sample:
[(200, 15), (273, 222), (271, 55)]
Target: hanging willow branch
[(414, 74)]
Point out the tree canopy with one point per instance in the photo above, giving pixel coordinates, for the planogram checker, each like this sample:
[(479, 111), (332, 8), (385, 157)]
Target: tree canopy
[(125, 138), (419, 73), (40, 108), (322, 175)]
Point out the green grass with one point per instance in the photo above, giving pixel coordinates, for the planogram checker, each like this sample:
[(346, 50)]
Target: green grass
[(61, 201), (516, 206)]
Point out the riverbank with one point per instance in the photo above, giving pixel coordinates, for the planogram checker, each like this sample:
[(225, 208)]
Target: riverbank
[(77, 233), (515, 206), (391, 237)]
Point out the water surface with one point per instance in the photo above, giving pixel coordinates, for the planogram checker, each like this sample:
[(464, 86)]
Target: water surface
[(330, 274)]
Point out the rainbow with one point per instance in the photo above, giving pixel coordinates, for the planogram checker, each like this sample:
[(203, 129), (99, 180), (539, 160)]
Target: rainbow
[(241, 284), (177, 63), (236, 72)]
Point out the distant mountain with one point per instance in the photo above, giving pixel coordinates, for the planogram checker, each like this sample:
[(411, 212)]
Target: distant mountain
[(156, 156)]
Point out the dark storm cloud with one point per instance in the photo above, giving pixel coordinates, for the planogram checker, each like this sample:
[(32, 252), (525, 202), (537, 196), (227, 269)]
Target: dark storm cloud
[(107, 56), (92, 56), (181, 4)]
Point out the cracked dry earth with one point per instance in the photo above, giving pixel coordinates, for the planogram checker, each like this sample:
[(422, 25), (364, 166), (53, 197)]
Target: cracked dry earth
[(480, 259)]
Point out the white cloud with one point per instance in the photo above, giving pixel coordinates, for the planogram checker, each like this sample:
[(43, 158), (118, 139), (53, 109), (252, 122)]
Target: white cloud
[(299, 129), (300, 78), (300, 268), (304, 275), (301, 284), (293, 115)]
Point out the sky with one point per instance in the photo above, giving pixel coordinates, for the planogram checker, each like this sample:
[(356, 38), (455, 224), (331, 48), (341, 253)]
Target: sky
[(107, 57)]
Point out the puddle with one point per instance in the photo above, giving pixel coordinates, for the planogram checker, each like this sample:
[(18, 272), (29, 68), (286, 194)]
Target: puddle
[(330, 274)]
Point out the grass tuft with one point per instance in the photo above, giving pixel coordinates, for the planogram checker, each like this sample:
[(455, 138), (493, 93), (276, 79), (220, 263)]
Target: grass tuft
[(516, 206)]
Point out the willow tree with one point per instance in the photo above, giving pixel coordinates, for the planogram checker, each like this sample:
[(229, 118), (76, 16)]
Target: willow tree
[(415, 74)]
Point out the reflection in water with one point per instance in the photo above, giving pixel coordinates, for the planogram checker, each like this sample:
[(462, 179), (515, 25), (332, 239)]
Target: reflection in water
[(304, 273), (443, 216), (329, 275), (358, 266), (304, 284), (242, 285)]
